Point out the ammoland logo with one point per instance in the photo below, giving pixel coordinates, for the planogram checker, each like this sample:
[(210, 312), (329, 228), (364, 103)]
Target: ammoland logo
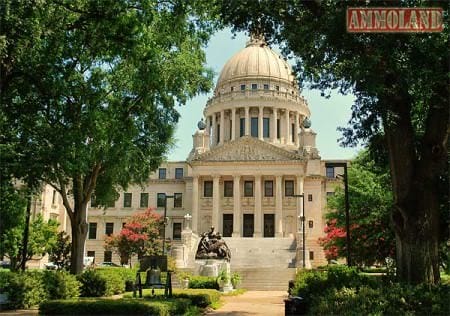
[(394, 20)]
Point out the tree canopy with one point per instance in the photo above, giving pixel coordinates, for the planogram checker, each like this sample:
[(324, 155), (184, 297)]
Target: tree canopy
[(90, 89), (370, 198), (402, 85)]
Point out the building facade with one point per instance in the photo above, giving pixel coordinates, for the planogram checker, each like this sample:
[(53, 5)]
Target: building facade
[(254, 170)]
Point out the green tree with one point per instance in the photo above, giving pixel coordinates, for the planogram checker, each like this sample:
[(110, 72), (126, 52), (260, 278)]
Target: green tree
[(370, 198), (401, 84), (59, 254), (42, 237), (90, 90)]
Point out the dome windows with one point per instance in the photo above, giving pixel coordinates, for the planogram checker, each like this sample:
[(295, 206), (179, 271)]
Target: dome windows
[(266, 86), (242, 87), (254, 86)]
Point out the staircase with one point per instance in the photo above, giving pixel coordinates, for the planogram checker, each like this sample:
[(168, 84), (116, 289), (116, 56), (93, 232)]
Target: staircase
[(265, 279), (263, 263)]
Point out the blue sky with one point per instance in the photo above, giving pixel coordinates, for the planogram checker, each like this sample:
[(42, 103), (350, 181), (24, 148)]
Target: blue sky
[(326, 114)]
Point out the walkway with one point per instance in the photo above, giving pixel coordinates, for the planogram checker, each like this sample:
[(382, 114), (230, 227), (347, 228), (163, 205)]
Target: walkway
[(253, 303)]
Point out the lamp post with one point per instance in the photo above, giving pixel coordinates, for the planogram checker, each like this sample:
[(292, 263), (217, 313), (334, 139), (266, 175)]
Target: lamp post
[(165, 218), (347, 207), (302, 218)]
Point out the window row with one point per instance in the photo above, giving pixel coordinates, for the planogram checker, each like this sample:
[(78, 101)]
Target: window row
[(109, 230), (228, 189), (160, 200), (255, 86), (162, 173)]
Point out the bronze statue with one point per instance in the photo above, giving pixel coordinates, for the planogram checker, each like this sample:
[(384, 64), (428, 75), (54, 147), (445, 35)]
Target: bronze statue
[(212, 246)]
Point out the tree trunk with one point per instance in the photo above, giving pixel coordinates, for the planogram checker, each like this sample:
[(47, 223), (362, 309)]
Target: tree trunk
[(26, 231), (79, 232), (415, 178)]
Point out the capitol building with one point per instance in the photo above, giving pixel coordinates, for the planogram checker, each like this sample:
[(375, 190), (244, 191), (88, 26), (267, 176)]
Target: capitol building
[(254, 173)]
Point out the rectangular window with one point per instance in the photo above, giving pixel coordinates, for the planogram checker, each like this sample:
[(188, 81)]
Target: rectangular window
[(254, 126), (54, 197), (330, 172), (288, 188), (178, 200), (176, 231), (228, 188), (311, 255), (330, 194), (277, 88), (218, 133), (109, 229), (242, 87), (208, 189), (278, 129), (92, 230), (248, 188), (292, 132), (268, 188), (309, 197), (107, 256), (144, 200), (90, 253), (311, 224), (254, 86), (127, 199), (266, 86), (232, 89), (178, 173), (266, 127), (93, 201), (162, 173), (123, 225), (160, 199), (242, 127)]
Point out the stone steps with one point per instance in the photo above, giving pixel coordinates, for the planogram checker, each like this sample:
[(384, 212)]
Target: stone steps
[(265, 278)]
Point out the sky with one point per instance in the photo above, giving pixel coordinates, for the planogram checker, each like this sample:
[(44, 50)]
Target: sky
[(326, 114)]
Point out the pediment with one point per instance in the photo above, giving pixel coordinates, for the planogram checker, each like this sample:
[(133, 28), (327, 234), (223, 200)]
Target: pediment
[(247, 149)]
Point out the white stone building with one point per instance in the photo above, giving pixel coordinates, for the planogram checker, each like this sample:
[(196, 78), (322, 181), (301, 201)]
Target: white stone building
[(252, 154)]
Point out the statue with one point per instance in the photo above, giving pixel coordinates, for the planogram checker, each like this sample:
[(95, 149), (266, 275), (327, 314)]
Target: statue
[(212, 246)]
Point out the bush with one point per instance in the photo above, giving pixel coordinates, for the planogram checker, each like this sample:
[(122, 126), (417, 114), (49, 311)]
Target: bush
[(26, 289), (61, 285), (92, 284), (114, 307), (203, 282), (201, 298)]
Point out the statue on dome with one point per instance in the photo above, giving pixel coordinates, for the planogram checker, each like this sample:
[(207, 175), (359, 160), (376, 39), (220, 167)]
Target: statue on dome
[(212, 246)]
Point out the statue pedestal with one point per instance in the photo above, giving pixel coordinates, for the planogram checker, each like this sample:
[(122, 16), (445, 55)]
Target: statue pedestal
[(209, 267)]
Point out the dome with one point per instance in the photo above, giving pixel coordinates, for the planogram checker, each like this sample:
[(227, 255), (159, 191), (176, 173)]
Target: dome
[(256, 61)]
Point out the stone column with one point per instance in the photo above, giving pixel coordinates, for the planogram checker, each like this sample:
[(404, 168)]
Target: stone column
[(299, 190), (247, 121), (236, 206), (214, 130), (233, 123), (258, 207), (297, 129), (260, 123), (273, 130), (279, 206), (287, 139), (222, 127), (195, 215), (208, 125), (216, 202)]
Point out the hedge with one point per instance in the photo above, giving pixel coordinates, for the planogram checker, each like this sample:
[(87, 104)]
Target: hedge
[(27, 289), (114, 307), (342, 291), (203, 282), (106, 281)]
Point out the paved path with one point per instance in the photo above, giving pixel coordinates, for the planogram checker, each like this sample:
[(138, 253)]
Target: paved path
[(253, 303)]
